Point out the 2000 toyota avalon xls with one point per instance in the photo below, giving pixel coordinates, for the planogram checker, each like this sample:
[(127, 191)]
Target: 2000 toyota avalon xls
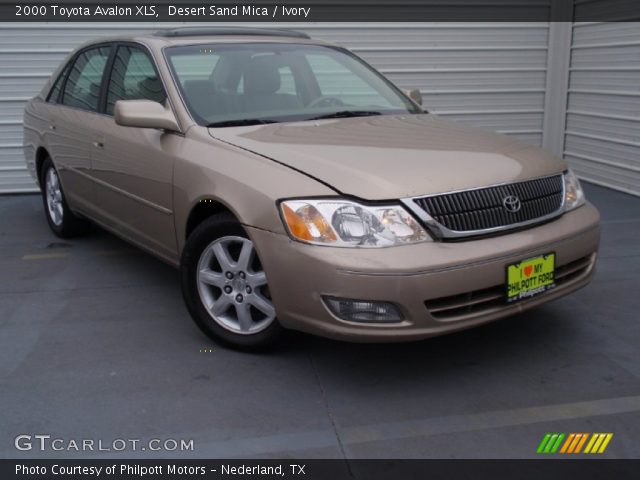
[(295, 187)]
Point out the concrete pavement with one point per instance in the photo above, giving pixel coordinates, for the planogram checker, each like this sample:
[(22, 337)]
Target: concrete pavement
[(95, 343)]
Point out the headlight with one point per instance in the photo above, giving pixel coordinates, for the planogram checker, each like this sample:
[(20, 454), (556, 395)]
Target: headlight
[(342, 223), (573, 194)]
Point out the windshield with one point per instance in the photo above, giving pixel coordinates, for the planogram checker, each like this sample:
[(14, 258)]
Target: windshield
[(247, 84)]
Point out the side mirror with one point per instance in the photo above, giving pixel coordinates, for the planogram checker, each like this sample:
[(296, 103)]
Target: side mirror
[(414, 95), (144, 114)]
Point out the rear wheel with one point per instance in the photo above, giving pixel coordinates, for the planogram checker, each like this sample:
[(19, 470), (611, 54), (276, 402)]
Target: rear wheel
[(225, 287), (60, 218)]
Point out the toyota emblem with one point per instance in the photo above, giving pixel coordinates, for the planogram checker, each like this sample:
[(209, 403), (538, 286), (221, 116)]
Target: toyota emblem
[(511, 203)]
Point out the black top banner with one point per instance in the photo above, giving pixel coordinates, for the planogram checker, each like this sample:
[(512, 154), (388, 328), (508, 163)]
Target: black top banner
[(321, 11)]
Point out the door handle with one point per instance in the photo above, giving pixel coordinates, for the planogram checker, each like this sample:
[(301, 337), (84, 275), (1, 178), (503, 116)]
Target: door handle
[(98, 144)]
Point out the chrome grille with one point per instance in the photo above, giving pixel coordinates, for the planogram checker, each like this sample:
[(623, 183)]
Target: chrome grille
[(483, 208)]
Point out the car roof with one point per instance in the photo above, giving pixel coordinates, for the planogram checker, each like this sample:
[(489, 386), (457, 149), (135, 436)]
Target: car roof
[(228, 31), (199, 35)]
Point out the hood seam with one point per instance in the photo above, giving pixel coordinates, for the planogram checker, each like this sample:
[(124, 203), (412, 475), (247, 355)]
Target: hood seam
[(279, 163)]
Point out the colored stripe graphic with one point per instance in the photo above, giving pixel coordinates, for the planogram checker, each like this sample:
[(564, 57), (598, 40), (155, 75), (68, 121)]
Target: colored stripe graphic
[(578, 437), (567, 442), (598, 443), (556, 445), (581, 442), (607, 439), (552, 442), (594, 437), (543, 443)]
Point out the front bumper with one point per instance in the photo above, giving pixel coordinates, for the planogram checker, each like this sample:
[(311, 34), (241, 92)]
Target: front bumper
[(439, 287)]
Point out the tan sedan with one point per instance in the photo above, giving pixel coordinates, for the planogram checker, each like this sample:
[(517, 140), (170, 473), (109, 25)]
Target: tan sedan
[(297, 188)]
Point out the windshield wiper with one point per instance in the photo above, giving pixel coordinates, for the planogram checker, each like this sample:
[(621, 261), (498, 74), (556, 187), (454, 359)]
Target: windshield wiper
[(347, 114), (243, 122)]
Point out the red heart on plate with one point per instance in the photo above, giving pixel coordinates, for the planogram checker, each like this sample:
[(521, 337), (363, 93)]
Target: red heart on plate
[(528, 270)]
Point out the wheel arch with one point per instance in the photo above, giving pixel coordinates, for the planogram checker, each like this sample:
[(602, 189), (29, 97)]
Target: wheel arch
[(204, 208), (41, 155)]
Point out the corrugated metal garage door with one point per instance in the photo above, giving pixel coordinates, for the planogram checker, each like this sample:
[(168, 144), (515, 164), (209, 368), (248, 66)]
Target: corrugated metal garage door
[(490, 75), (602, 140)]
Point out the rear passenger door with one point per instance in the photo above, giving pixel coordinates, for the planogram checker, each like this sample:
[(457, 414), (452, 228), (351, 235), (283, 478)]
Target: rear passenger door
[(72, 124), (133, 167)]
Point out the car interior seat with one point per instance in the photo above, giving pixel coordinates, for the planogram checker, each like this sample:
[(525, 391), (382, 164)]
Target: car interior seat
[(261, 82)]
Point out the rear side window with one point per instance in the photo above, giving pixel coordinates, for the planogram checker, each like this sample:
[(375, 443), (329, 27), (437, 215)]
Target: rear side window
[(82, 89), (54, 93), (133, 78)]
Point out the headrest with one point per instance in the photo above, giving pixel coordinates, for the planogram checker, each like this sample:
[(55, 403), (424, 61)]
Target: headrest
[(226, 75), (151, 88), (197, 89), (262, 75), (94, 89)]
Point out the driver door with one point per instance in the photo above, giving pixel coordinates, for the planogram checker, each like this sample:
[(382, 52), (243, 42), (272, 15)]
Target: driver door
[(133, 167)]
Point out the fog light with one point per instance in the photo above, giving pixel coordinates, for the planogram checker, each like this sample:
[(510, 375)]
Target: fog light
[(363, 310)]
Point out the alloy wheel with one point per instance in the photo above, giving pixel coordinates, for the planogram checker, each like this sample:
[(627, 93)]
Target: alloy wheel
[(233, 286), (53, 194)]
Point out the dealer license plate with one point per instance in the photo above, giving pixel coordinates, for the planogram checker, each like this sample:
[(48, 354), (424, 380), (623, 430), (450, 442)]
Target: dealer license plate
[(530, 277)]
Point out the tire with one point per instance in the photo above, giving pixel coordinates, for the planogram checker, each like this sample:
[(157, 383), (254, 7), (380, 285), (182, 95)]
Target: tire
[(61, 219), (225, 288)]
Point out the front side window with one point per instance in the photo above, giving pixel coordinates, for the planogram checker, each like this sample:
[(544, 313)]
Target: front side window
[(82, 89), (240, 84), (133, 77), (54, 93)]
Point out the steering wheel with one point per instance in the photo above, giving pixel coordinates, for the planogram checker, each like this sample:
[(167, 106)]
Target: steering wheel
[(324, 101)]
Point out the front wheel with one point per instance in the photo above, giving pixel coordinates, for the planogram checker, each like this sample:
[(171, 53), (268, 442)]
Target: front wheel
[(225, 287)]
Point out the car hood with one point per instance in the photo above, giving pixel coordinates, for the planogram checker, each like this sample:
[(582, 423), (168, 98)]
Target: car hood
[(389, 157)]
